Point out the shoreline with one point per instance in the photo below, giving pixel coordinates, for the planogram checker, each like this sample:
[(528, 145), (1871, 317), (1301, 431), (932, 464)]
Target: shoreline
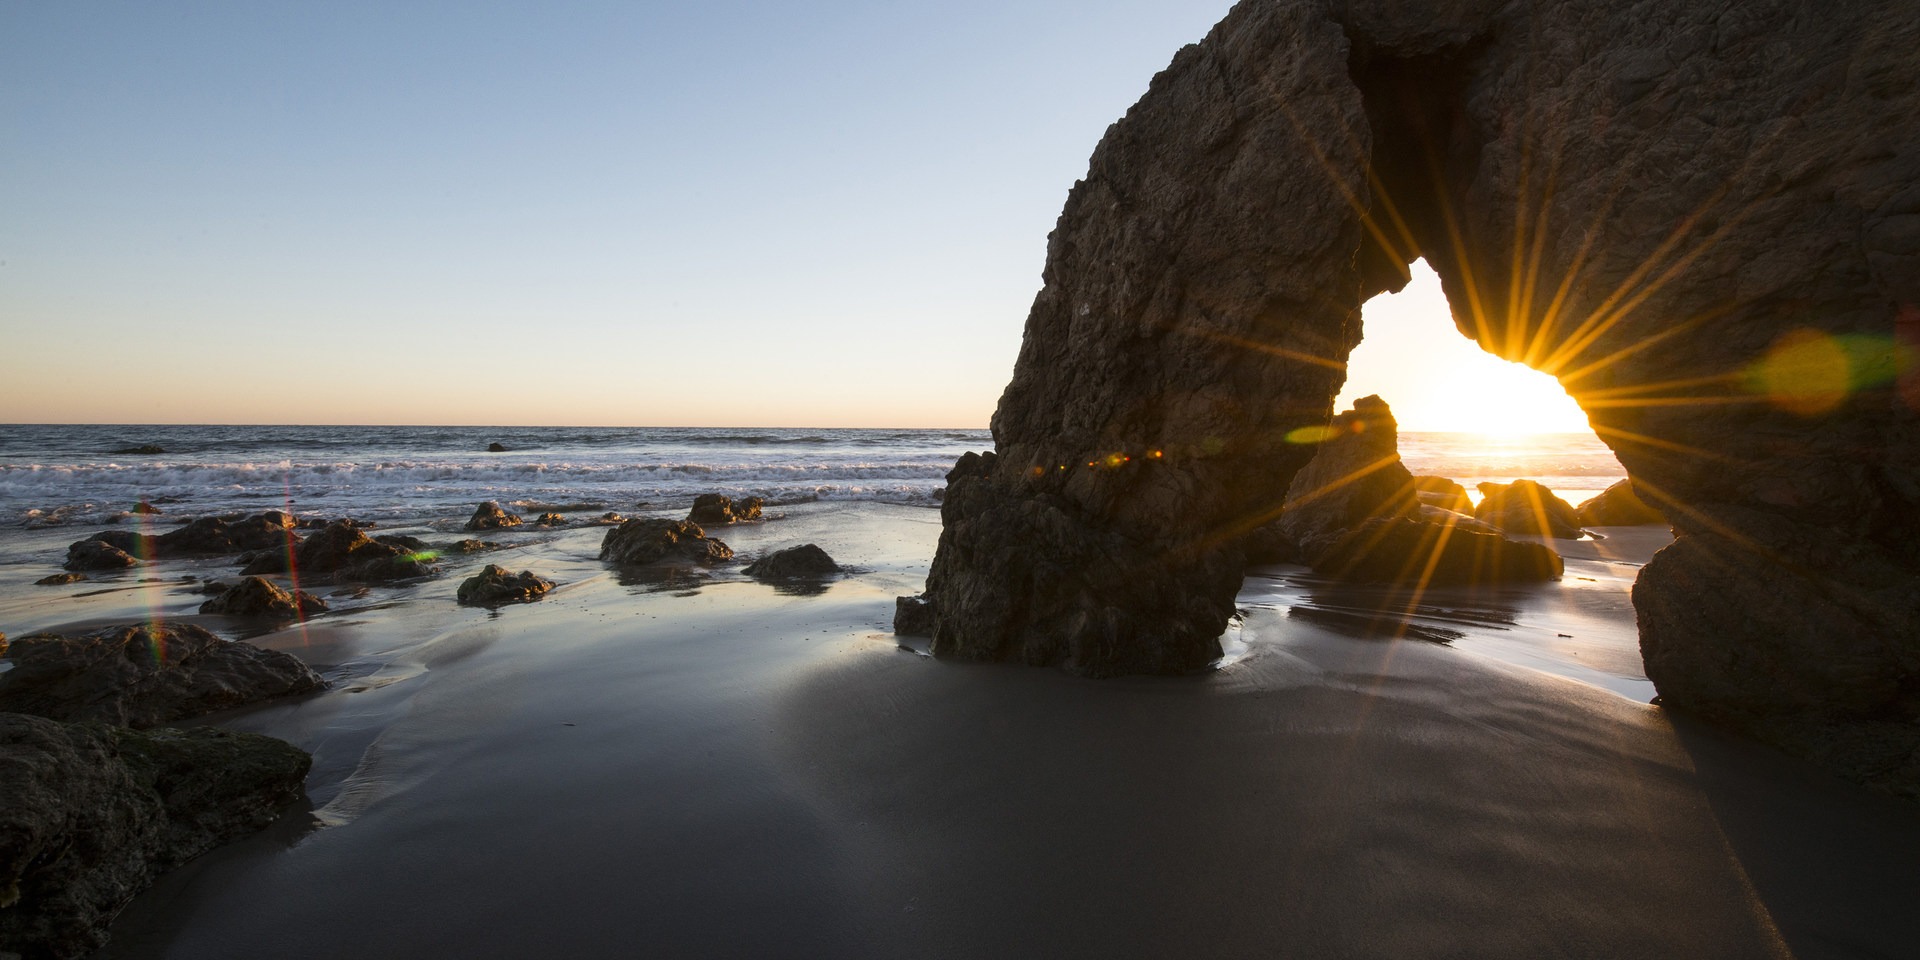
[(716, 766)]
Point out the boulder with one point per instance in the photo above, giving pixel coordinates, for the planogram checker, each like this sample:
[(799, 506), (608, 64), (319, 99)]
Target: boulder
[(551, 520), (1526, 507), (143, 508), (90, 814), (97, 554), (1619, 505), (802, 562), (715, 509), (489, 516), (1453, 518), (1443, 493), (206, 536), (1355, 475), (1405, 551), (60, 580), (913, 617), (496, 585), (260, 597), (145, 674), (496, 448), (344, 552), (644, 541)]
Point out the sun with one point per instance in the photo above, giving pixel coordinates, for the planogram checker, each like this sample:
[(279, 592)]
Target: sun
[(1441, 382)]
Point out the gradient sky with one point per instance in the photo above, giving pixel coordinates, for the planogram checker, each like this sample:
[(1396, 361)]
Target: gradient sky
[(717, 213)]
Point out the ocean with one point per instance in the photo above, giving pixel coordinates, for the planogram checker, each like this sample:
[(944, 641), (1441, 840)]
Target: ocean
[(60, 475)]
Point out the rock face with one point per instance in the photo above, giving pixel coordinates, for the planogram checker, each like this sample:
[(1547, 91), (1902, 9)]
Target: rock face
[(1699, 217), (661, 541), (1524, 506), (143, 675), (260, 597), (90, 814), (496, 585), (489, 516), (715, 509), (802, 562), (1619, 506)]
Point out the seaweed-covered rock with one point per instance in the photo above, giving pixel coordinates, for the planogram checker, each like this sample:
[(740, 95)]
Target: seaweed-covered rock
[(343, 551), (144, 674), (1525, 506), (497, 585), (802, 562), (260, 597), (714, 508), (97, 554), (662, 541), (90, 814), (489, 516), (1619, 505), (1407, 551)]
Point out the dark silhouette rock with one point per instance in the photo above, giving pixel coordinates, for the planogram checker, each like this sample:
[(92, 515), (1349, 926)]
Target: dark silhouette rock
[(496, 448), (90, 814), (344, 552), (713, 509), (143, 450), (1526, 507), (144, 674), (496, 585), (143, 508), (1268, 543), (489, 516), (260, 597), (661, 541), (913, 617), (97, 554), (1443, 493), (60, 579), (1676, 211), (1417, 552), (1355, 476), (802, 562), (1619, 506)]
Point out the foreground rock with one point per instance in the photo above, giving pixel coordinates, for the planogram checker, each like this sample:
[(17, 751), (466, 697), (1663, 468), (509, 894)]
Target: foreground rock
[(806, 561), (489, 516), (714, 509), (98, 555), (260, 597), (496, 585), (1619, 505), (1403, 550), (343, 552), (144, 675), (90, 814), (1355, 476), (1527, 507), (644, 541)]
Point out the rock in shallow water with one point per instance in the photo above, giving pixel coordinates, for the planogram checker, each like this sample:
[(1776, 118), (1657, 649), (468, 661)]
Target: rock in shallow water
[(715, 509), (661, 541), (145, 674), (497, 585), (260, 597), (344, 552), (90, 814), (804, 561), (489, 516)]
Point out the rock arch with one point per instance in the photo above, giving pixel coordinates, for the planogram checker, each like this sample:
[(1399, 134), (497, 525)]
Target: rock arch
[(1647, 199)]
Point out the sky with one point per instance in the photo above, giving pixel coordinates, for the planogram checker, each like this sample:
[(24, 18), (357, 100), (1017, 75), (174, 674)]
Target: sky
[(633, 213)]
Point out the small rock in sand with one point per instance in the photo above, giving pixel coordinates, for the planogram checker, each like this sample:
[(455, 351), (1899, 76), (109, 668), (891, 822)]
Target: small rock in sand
[(98, 555), (656, 541), (715, 508), (489, 516), (60, 579), (496, 585), (260, 597), (803, 561)]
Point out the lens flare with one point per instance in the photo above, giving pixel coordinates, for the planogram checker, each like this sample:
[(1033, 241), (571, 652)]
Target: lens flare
[(1810, 373)]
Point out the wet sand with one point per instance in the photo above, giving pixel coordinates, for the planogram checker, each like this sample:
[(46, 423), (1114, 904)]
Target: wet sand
[(716, 768)]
